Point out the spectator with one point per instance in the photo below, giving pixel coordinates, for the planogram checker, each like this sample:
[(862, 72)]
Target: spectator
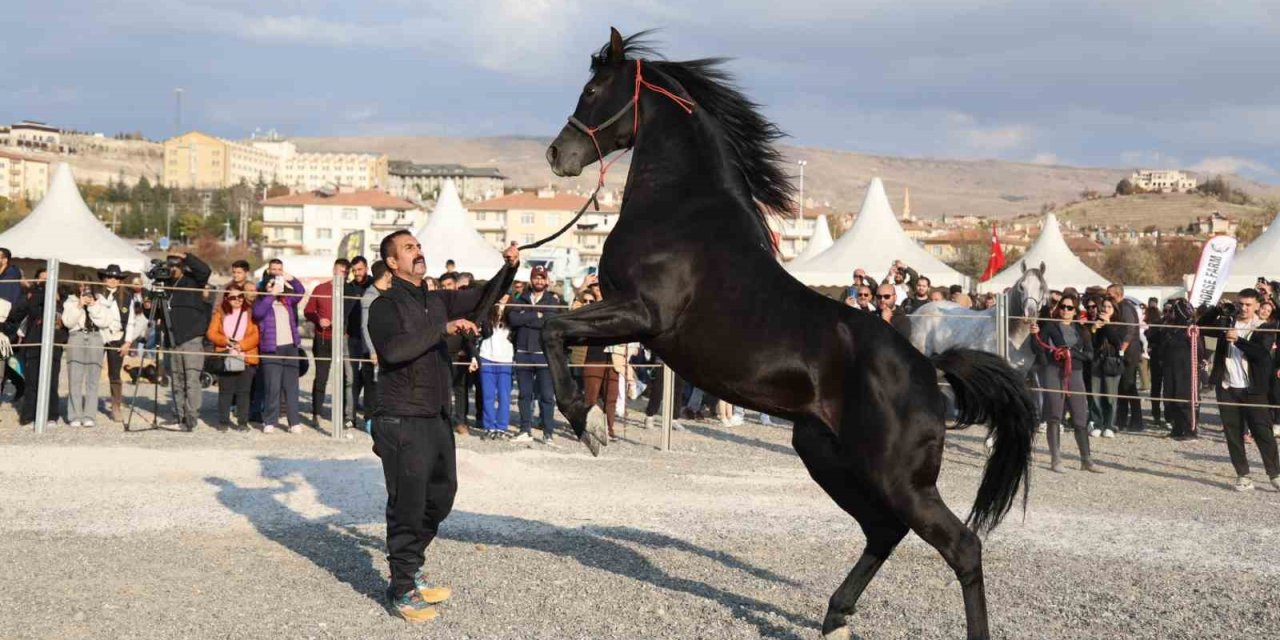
[(1176, 370), (1108, 345), (461, 350), (1065, 343), (937, 295), (535, 381), (275, 269), (889, 312), (450, 266), (379, 282), (137, 326), (863, 300), (112, 295), (903, 279), (518, 288), (276, 314), (86, 318), (189, 312), (1128, 409), (1267, 312), (465, 280), (10, 279), (955, 291), (319, 312), (1242, 373), (234, 333), (496, 354), (919, 295), (25, 325), (1156, 336), (240, 272), (449, 281), (360, 277), (600, 382), (359, 283)]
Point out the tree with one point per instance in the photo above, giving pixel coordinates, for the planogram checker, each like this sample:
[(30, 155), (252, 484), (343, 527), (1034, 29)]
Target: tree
[(1125, 188), (1138, 265)]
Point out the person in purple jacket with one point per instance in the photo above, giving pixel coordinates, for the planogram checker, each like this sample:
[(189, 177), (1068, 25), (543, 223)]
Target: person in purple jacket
[(276, 312)]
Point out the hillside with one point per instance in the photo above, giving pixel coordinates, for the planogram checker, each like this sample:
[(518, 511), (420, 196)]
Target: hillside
[(938, 187), (1163, 210)]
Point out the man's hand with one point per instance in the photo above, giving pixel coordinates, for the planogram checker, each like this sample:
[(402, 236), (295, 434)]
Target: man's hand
[(6, 349), (511, 255), (461, 326), (325, 323), (475, 366), (1232, 335), (1035, 328)]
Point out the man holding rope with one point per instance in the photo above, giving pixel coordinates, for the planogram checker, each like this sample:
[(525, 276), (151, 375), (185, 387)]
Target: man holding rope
[(408, 325), (1242, 371)]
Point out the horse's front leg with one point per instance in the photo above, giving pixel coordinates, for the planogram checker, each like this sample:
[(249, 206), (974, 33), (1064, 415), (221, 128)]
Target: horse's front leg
[(612, 321)]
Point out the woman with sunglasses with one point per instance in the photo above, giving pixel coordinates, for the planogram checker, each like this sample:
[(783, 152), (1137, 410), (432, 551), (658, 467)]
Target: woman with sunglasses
[(1104, 382), (1066, 343), (234, 333)]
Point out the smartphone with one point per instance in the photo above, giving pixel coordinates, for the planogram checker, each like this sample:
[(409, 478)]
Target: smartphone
[(279, 280)]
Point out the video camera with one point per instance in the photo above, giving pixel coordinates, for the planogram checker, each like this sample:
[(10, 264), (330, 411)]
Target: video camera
[(161, 275)]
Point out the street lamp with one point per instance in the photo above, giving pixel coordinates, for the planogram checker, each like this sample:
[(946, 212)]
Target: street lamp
[(800, 210)]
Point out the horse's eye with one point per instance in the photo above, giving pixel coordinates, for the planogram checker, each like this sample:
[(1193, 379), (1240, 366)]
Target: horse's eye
[(591, 90)]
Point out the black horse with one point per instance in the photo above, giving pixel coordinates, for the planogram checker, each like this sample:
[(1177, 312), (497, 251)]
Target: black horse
[(689, 271)]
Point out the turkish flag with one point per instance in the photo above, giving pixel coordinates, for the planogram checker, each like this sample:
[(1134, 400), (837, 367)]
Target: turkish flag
[(996, 262)]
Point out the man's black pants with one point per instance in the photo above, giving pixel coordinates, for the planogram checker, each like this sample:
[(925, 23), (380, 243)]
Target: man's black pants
[(1235, 420), (31, 370), (422, 479), (1129, 410)]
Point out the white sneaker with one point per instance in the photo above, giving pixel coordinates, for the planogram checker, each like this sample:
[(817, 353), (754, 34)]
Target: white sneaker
[(1107, 433), (1275, 430), (1095, 433), (1042, 428), (1243, 483), (266, 428), (295, 428), (524, 436), (548, 440), (1275, 483), (76, 423), (735, 421), (88, 423)]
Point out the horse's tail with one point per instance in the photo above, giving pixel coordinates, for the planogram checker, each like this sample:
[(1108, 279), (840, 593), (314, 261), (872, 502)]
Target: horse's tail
[(987, 389)]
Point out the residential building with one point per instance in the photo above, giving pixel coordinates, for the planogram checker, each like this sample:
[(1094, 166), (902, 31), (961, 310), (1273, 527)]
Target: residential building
[(420, 182), (526, 216), (1162, 181), (36, 136), (1214, 224), (314, 223), (22, 177), (201, 161)]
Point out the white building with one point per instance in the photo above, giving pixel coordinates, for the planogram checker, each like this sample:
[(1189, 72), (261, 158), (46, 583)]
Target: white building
[(314, 223), (421, 182), (1162, 181), (33, 135), (22, 177)]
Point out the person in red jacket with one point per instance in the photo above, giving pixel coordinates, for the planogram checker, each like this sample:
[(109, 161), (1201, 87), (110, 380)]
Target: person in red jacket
[(319, 312)]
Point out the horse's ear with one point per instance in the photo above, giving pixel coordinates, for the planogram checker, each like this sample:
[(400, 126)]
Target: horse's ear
[(615, 45), (1024, 266), (1041, 267)]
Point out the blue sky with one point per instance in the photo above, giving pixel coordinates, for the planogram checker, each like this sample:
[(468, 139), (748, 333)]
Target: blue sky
[(1169, 84)]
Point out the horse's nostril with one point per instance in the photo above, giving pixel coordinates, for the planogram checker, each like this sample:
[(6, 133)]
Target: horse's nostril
[(552, 154)]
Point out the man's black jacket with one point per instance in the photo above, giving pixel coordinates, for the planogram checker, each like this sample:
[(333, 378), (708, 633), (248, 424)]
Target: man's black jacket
[(407, 325), (188, 309)]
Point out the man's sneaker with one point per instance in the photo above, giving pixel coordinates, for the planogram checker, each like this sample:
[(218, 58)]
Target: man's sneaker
[(412, 607), (77, 423), (548, 440), (524, 436), (1243, 483), (266, 428), (650, 422), (1275, 430), (89, 423), (1095, 433), (1108, 433), (432, 595), (1275, 483), (295, 428)]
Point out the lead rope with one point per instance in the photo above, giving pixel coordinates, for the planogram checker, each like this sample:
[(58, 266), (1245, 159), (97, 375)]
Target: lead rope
[(684, 103)]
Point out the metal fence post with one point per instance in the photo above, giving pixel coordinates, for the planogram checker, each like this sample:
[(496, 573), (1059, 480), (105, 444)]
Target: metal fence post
[(43, 382), (1002, 325), (337, 349), (668, 404)]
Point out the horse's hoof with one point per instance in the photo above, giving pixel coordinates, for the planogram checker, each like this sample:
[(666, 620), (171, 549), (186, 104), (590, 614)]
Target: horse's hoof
[(591, 443), (839, 633), (598, 426), (836, 627)]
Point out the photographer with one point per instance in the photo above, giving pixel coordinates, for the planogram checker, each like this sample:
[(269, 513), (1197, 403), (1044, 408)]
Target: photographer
[(1242, 370), (189, 312), (903, 279)]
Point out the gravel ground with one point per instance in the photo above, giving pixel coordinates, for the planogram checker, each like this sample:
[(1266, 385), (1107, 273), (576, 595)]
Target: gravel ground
[(159, 534)]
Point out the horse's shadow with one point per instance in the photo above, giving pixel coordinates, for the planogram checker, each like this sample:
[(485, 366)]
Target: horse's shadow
[(351, 494), (729, 436)]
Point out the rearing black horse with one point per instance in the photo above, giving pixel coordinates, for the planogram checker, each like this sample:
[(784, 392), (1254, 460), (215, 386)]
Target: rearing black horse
[(689, 271)]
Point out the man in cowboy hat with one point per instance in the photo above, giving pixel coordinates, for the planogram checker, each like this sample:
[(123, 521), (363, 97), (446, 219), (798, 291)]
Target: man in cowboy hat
[(119, 299)]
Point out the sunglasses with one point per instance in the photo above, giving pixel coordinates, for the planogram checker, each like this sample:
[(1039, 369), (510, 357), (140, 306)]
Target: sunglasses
[(1067, 308), (864, 295), (889, 296), (235, 297)]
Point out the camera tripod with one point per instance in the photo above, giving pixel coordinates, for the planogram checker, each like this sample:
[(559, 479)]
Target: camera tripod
[(159, 306)]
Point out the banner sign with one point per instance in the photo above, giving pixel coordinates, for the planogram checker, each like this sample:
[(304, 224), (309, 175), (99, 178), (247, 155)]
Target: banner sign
[(351, 245), (1211, 275)]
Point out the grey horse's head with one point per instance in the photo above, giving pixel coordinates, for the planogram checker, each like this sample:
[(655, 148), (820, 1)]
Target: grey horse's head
[(1029, 293)]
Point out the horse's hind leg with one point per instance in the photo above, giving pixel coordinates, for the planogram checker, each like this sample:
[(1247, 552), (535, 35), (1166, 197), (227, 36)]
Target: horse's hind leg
[(820, 451)]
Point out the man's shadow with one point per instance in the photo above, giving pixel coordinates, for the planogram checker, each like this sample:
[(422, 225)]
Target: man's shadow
[(352, 495)]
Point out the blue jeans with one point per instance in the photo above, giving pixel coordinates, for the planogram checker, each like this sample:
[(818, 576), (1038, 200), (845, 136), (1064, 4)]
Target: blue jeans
[(495, 386), (535, 381)]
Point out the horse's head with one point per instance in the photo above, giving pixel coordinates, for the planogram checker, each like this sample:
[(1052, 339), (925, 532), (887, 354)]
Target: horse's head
[(601, 123), (1030, 292)]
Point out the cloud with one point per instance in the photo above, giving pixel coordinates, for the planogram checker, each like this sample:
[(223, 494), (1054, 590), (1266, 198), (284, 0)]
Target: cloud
[(1045, 158), (1231, 164)]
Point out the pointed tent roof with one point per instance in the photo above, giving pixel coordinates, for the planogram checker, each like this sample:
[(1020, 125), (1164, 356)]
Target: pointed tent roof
[(873, 243), (1062, 268), (819, 241), (62, 227), (449, 235), (1258, 258)]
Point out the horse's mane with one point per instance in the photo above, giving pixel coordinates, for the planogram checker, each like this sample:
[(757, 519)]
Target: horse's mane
[(748, 134)]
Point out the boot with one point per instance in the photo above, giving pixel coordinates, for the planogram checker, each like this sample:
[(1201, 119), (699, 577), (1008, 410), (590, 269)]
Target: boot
[(1054, 433), (1086, 461), (117, 400)]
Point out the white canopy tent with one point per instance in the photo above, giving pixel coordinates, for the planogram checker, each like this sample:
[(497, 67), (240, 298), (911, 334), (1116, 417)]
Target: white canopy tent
[(63, 228), (1259, 258), (449, 235), (1062, 268), (819, 241), (873, 243)]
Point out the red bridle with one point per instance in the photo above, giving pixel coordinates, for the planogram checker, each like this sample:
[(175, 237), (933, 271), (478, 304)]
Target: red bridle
[(634, 105)]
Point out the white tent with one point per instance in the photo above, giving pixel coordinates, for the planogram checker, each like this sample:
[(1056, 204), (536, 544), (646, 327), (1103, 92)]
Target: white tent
[(449, 235), (873, 243), (62, 227), (1259, 258), (1062, 268), (819, 241)]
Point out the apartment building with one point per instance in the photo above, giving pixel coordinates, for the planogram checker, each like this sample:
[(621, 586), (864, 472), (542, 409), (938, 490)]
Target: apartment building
[(201, 161), (526, 216), (420, 182), (23, 177), (314, 223)]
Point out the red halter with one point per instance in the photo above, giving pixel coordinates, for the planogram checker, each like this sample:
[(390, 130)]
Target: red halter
[(634, 105)]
